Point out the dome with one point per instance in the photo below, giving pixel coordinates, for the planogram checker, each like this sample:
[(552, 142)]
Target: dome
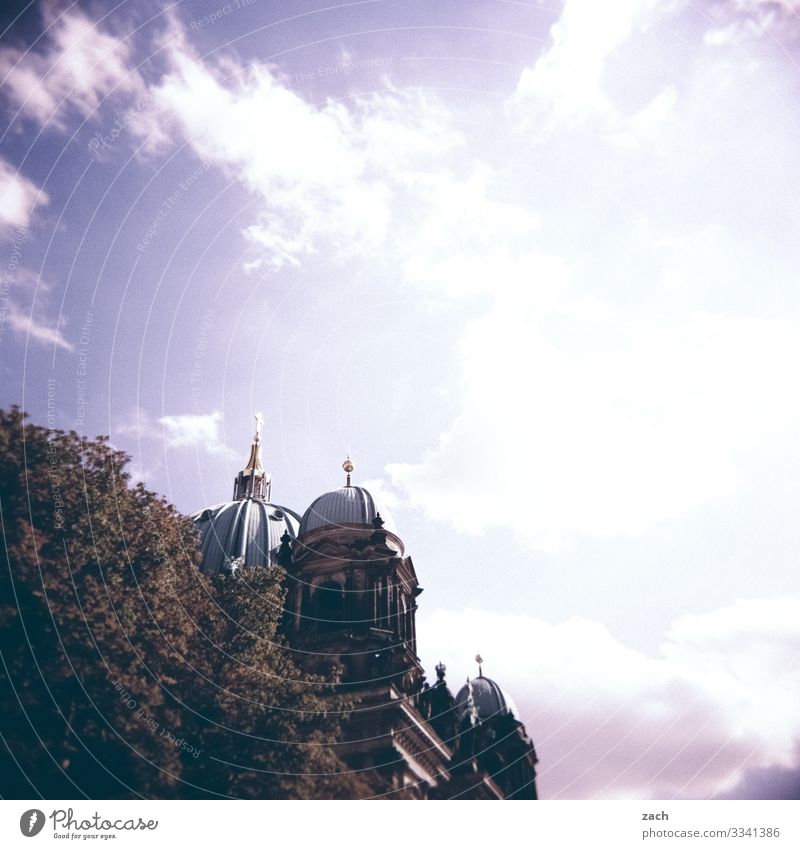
[(490, 699), (348, 506), (246, 531), (250, 529)]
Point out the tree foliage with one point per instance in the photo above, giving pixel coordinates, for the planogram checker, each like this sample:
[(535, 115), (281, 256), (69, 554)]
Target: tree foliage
[(127, 673)]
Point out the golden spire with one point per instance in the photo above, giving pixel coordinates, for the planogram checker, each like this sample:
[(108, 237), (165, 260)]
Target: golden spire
[(348, 467), (253, 481), (479, 661), (254, 461)]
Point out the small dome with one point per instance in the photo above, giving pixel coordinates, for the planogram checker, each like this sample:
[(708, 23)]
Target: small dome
[(490, 699), (250, 529), (345, 507)]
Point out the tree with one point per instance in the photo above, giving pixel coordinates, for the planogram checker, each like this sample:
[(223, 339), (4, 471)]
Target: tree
[(292, 753), (124, 672)]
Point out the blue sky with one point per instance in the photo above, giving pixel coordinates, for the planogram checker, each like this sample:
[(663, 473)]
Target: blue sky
[(536, 264)]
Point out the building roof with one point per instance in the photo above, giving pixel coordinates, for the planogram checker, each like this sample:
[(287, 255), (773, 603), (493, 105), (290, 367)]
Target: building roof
[(489, 697), (249, 528), (345, 507)]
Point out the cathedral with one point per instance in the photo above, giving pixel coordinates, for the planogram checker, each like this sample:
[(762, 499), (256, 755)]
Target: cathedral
[(351, 601)]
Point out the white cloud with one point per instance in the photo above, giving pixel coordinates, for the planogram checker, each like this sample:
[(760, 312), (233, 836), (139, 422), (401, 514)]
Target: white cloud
[(579, 416), (566, 80), (194, 431), (199, 431), (606, 429), (649, 122), (78, 66), (722, 696), (330, 176), (621, 372), (36, 330), (743, 20), (305, 161), (381, 493), (466, 243), (18, 197)]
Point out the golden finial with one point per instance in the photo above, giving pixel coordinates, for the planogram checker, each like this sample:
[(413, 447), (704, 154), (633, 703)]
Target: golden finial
[(479, 661), (348, 467), (253, 481), (254, 462)]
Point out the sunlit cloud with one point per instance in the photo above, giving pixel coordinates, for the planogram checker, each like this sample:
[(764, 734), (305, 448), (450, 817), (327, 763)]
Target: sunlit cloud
[(200, 431), (34, 329), (194, 431), (609, 436), (18, 197), (77, 65), (565, 83), (305, 162), (746, 20), (720, 698)]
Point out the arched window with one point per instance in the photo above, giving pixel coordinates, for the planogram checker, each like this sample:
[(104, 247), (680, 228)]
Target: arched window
[(402, 630), (329, 606)]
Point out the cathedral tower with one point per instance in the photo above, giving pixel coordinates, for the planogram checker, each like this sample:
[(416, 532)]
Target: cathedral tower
[(351, 609), (352, 590), (350, 616)]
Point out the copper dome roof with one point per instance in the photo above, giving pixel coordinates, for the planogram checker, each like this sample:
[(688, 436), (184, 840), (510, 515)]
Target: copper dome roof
[(246, 532), (490, 699), (345, 507)]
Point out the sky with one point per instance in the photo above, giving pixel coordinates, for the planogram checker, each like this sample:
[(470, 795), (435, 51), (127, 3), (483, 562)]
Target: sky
[(534, 264)]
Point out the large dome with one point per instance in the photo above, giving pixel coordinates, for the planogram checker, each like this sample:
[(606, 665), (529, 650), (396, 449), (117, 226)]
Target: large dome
[(345, 507), (246, 531), (490, 699), (250, 529)]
